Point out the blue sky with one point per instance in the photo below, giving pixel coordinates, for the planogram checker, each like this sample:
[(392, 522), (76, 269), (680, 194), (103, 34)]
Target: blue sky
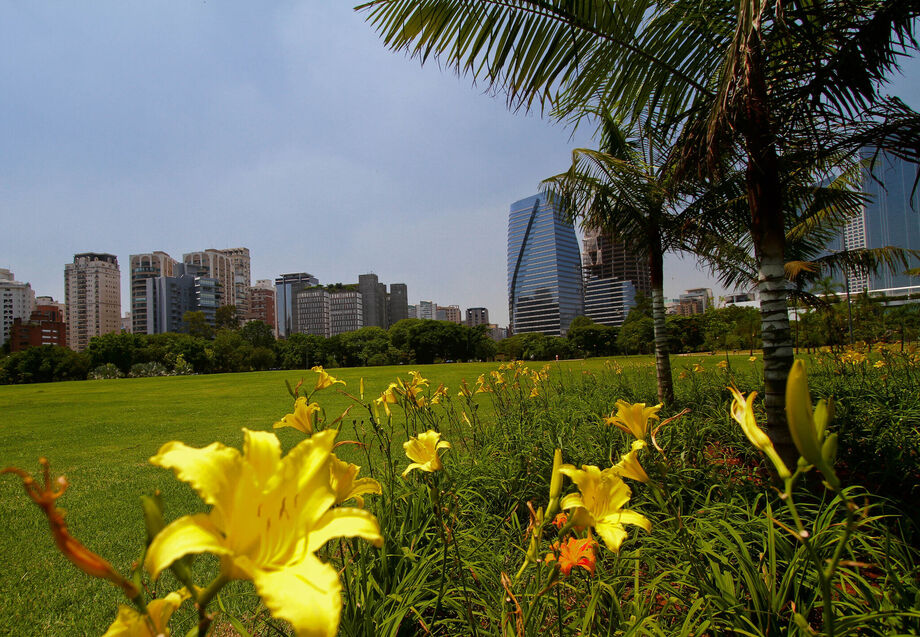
[(285, 127)]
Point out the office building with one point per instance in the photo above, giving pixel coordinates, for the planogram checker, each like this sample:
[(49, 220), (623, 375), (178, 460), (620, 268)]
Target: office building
[(374, 296), (216, 264), (427, 310), (242, 279), (17, 300), (286, 286), (412, 311), (92, 293), (145, 266), (45, 326), (311, 311), (608, 300), (397, 303), (891, 217), (613, 275), (346, 311), (545, 288), (695, 301), (262, 303), (477, 316), (170, 297)]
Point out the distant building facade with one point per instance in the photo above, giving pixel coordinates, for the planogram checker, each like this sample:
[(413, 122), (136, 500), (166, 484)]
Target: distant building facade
[(92, 292), (889, 218), (346, 311), (240, 266), (170, 297), (397, 303), (145, 266), (449, 313), (374, 294), (17, 301), (262, 303), (45, 326), (477, 316), (286, 286), (545, 288), (427, 310), (613, 275), (216, 264), (695, 301), (311, 311)]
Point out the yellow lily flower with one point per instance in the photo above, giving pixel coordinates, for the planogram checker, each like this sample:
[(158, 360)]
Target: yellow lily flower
[(743, 412), (633, 418), (303, 417), (324, 380), (809, 429), (600, 503), (423, 451), (346, 484), (439, 394), (629, 467), (753, 359), (722, 364), (417, 379), (465, 391), (269, 515), (130, 623), (698, 368), (388, 397)]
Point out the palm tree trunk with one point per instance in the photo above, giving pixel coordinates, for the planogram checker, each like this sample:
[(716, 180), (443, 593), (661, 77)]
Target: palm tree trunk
[(764, 193), (662, 359)]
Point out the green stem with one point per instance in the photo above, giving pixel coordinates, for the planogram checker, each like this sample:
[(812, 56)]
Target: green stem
[(208, 594)]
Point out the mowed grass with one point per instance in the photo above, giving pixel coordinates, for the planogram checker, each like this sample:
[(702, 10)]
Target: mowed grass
[(100, 435)]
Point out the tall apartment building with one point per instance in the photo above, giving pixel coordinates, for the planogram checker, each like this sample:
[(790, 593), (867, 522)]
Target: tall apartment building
[(242, 278), (145, 266), (262, 302), (45, 326), (889, 218), (286, 286), (92, 292), (545, 288), (397, 303), (412, 311), (17, 301), (613, 275), (450, 313), (477, 316), (218, 265), (170, 297)]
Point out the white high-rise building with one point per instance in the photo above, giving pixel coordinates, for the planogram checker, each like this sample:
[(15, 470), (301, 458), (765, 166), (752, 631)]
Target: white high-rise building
[(92, 292), (242, 278), (17, 300), (218, 264)]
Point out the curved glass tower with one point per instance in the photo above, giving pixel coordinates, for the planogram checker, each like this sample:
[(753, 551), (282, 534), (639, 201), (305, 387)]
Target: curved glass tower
[(544, 269)]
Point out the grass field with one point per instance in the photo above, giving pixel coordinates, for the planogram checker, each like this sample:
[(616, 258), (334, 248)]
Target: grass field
[(100, 434)]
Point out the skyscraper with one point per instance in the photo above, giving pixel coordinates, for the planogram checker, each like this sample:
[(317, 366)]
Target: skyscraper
[(397, 303), (613, 275), (890, 218), (92, 292), (545, 290), (218, 264), (374, 296)]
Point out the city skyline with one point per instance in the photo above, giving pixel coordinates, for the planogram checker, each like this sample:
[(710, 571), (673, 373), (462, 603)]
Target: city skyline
[(129, 128)]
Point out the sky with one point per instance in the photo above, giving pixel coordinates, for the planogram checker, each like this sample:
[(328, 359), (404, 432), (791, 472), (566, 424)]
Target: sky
[(284, 127)]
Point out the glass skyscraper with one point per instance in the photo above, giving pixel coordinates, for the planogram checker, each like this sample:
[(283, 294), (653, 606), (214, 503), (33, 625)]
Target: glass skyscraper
[(544, 268), (890, 218)]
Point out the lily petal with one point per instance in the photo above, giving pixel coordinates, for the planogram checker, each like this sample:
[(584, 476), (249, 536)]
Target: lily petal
[(307, 594), (188, 535), (345, 522)]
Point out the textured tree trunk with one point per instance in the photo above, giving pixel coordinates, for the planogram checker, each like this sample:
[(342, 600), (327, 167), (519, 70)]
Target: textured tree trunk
[(662, 359), (764, 192)]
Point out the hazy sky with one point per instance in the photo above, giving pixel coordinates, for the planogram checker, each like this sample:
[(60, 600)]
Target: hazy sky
[(284, 127)]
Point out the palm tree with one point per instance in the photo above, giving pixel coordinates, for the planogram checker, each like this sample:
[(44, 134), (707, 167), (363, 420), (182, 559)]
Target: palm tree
[(748, 81), (625, 189)]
